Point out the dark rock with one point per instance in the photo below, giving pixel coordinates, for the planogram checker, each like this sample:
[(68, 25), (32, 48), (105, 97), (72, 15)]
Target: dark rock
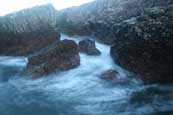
[(88, 46), (109, 74), (25, 44), (145, 47), (63, 56), (27, 31), (101, 15)]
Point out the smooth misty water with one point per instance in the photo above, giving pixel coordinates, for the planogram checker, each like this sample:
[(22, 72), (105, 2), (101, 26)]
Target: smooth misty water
[(80, 91)]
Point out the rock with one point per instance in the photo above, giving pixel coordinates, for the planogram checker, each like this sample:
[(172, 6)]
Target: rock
[(109, 74), (145, 47), (27, 31), (98, 17), (63, 56), (30, 19), (25, 44), (88, 46)]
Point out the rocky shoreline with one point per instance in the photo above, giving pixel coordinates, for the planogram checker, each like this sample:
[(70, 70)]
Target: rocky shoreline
[(139, 31)]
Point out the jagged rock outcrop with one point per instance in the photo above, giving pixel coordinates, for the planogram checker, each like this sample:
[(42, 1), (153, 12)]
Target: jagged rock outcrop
[(145, 46), (88, 46), (98, 17), (63, 56), (28, 31)]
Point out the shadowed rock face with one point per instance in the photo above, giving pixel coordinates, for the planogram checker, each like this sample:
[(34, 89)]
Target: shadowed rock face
[(25, 44), (28, 31), (145, 47), (88, 46), (63, 56)]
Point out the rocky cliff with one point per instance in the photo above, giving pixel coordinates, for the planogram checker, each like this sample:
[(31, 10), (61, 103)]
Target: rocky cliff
[(30, 19), (27, 31), (98, 17)]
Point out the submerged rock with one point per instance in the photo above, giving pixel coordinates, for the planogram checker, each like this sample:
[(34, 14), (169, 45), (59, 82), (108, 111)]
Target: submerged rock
[(27, 31), (145, 47), (109, 74), (88, 46), (63, 56)]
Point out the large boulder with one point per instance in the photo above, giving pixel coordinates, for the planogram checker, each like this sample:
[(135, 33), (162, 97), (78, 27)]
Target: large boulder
[(145, 46), (27, 31), (88, 46), (62, 56)]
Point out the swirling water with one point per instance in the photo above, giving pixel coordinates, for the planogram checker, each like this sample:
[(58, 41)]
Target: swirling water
[(79, 91)]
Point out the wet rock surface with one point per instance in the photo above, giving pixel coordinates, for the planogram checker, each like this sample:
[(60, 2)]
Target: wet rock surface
[(88, 46), (145, 47), (108, 75), (64, 56)]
